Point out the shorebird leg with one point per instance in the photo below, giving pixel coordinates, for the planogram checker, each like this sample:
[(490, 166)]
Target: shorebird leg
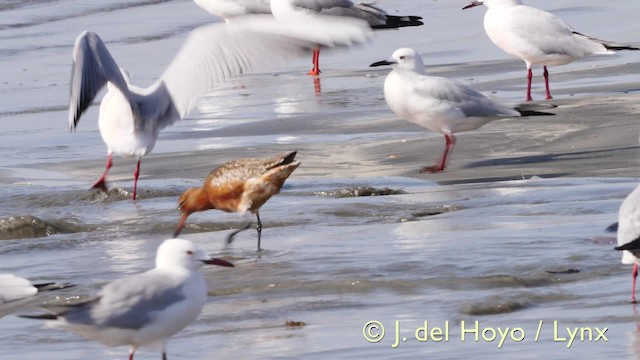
[(245, 227), (259, 228), (101, 183), (164, 356), (546, 82), (529, 78), (450, 142), (315, 59), (634, 273), (136, 173)]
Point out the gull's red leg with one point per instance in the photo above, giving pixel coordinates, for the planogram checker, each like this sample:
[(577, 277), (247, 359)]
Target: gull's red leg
[(546, 82), (101, 183), (529, 78), (450, 142)]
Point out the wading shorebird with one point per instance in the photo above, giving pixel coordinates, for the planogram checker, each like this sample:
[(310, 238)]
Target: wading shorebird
[(629, 235), (238, 186), (440, 104), (142, 309), (131, 117), (538, 37)]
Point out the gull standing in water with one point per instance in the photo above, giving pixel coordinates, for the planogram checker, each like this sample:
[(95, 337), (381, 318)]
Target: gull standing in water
[(439, 104), (629, 235), (239, 186), (312, 11), (538, 37), (131, 117), (144, 309)]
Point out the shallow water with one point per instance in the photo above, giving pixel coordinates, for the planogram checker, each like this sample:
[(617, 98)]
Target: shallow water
[(507, 254)]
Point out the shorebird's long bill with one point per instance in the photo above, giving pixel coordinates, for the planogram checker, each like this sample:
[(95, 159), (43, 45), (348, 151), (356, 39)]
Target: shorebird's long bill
[(382, 63), (219, 262), (473, 4)]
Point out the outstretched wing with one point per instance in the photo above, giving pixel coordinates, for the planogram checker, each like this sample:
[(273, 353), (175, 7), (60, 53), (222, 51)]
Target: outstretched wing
[(213, 53), (93, 67)]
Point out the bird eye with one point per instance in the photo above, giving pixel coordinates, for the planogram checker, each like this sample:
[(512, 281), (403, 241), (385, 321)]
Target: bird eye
[(189, 252), (402, 57)]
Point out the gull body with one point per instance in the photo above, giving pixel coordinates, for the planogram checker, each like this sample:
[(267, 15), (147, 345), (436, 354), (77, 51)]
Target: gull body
[(629, 234), (143, 309), (538, 37), (239, 186), (309, 11), (17, 292), (131, 117), (437, 103)]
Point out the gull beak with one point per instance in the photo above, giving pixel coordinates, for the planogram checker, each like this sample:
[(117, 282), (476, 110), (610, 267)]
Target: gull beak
[(219, 262), (383, 62), (473, 4)]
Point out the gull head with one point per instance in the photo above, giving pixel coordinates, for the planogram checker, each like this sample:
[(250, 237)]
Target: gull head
[(493, 3), (404, 59), (184, 254)]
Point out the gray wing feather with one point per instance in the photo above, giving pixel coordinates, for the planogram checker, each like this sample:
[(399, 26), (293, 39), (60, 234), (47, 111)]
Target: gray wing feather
[(320, 5), (215, 52), (128, 303), (471, 102), (93, 66)]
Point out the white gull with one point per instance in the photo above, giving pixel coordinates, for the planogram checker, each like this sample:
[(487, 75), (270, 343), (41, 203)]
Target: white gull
[(440, 104), (538, 37), (143, 309)]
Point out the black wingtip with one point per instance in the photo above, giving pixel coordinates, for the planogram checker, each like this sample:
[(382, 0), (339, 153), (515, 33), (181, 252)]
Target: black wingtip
[(53, 286), (394, 22), (612, 228), (40, 317)]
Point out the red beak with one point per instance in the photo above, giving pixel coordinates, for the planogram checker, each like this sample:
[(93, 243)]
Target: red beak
[(473, 4), (219, 262)]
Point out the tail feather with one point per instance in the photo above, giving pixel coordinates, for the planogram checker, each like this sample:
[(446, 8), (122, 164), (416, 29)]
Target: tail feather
[(394, 22), (289, 158)]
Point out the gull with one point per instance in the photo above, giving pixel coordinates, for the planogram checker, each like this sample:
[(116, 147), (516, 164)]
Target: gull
[(314, 11), (143, 309), (239, 186), (440, 104), (629, 234), (17, 292), (131, 117), (538, 37)]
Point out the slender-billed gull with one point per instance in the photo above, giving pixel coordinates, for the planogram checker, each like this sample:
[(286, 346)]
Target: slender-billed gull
[(131, 117), (439, 104), (143, 309), (239, 186), (538, 37), (629, 234), (17, 292), (313, 11)]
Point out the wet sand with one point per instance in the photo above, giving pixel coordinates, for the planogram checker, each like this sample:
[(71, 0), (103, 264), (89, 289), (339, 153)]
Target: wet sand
[(590, 136)]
